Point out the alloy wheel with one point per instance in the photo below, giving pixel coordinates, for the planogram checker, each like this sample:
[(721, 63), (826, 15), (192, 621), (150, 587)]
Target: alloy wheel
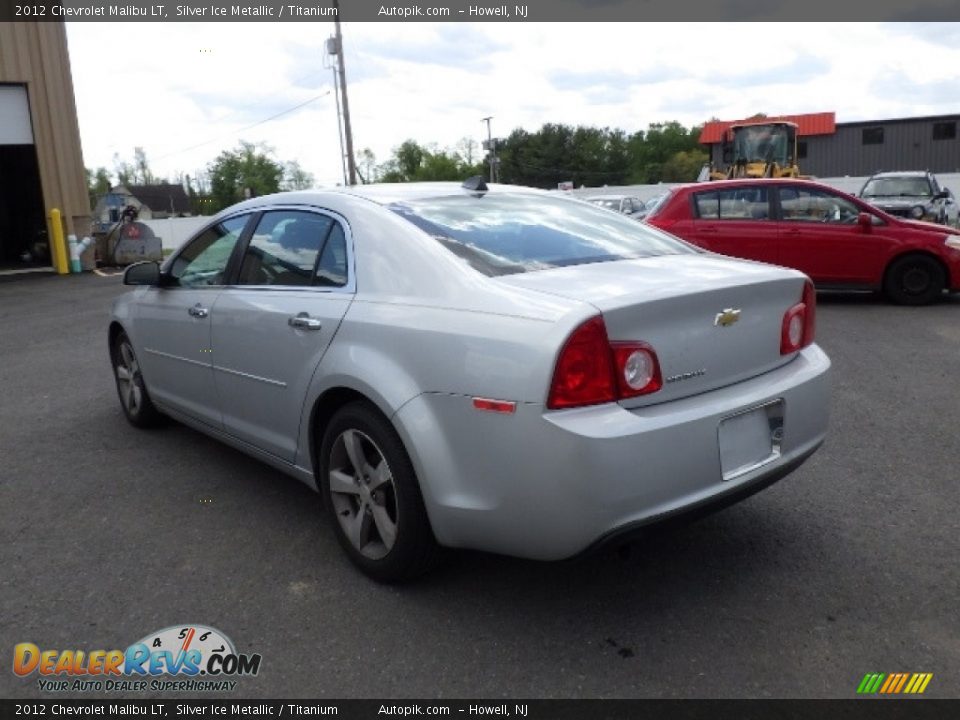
[(363, 493), (128, 378)]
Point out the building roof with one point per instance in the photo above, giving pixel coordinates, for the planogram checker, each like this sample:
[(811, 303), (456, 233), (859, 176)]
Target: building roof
[(162, 198), (809, 124)]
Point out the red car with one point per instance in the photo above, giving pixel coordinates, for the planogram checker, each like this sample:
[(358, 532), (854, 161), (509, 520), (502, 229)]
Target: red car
[(837, 239)]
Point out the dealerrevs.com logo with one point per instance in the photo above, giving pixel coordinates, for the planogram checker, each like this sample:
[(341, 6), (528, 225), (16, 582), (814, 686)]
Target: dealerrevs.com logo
[(186, 658)]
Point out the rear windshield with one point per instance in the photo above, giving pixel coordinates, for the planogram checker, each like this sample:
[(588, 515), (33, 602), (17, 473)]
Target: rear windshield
[(502, 234)]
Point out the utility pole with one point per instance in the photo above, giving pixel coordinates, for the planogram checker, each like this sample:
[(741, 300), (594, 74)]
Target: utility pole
[(351, 165), (336, 96), (491, 150)]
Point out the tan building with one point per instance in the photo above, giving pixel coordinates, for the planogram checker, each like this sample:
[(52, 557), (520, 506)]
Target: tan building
[(41, 162)]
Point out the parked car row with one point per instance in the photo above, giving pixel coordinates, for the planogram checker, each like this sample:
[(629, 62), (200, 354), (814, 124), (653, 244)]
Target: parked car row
[(629, 205)]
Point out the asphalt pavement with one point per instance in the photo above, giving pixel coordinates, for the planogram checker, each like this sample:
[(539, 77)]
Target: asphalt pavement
[(846, 567)]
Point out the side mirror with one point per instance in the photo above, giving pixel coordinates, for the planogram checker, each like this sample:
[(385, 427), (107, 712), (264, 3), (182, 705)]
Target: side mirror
[(865, 221), (942, 195), (142, 273)]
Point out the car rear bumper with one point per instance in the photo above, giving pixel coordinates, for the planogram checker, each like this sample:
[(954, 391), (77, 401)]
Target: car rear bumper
[(549, 484)]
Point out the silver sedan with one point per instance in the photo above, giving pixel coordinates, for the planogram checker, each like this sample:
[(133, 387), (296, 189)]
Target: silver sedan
[(464, 366)]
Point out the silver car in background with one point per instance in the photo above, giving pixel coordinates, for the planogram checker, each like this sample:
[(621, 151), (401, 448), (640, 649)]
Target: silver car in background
[(464, 366)]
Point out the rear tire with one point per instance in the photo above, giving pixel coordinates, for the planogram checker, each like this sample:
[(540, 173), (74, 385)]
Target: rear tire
[(373, 497), (134, 398), (914, 280)]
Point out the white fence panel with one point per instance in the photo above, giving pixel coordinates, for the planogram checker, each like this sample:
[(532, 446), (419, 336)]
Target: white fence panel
[(173, 232)]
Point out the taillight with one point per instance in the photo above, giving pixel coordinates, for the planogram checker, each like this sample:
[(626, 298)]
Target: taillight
[(591, 370), (584, 372), (638, 370), (799, 322)]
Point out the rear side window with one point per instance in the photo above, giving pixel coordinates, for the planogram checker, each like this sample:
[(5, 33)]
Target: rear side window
[(733, 204), (500, 234), (332, 268)]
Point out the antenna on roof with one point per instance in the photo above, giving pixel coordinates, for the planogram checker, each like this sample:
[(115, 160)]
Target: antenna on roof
[(475, 183)]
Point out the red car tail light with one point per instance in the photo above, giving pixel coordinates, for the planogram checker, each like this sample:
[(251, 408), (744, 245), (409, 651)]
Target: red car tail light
[(584, 370), (591, 370), (799, 322)]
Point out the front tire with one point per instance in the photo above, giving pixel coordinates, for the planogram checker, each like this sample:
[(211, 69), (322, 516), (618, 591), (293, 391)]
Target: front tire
[(373, 497), (914, 280), (134, 398)]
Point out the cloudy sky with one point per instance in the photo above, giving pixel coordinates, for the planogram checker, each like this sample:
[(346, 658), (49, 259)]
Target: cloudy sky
[(186, 92)]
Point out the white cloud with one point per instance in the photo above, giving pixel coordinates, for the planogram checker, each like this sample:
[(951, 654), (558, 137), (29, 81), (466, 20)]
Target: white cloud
[(169, 87)]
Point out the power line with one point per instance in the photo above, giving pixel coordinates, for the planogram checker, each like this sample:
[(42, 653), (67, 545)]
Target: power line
[(249, 127)]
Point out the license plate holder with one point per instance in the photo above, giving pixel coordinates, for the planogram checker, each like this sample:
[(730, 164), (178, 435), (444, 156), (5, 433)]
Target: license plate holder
[(750, 438)]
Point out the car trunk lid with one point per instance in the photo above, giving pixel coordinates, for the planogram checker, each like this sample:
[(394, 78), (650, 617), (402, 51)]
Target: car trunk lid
[(713, 321)]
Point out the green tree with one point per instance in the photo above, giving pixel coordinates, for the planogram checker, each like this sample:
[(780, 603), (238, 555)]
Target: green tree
[(137, 172), (412, 162), (295, 177), (367, 166), (558, 153), (143, 174), (98, 184), (249, 169), (684, 166), (651, 150)]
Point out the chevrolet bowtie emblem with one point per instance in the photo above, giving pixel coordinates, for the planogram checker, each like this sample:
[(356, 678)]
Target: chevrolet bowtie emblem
[(726, 318)]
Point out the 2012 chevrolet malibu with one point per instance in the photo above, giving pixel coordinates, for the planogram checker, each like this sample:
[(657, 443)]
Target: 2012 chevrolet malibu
[(464, 366)]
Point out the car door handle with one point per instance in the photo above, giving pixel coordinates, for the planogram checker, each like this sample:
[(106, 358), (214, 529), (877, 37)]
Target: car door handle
[(708, 229), (198, 311), (303, 321)]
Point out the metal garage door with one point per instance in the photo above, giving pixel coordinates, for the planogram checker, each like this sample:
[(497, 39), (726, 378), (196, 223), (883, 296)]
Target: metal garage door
[(15, 126)]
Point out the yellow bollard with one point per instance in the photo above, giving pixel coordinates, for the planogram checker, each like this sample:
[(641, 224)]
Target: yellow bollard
[(58, 246)]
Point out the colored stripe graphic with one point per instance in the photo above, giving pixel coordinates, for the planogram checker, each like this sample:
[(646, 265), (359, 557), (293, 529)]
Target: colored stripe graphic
[(870, 683), (891, 682), (919, 683), (894, 683)]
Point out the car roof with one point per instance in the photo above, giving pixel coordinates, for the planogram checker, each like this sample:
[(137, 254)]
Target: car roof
[(901, 173), (754, 181), (387, 193)]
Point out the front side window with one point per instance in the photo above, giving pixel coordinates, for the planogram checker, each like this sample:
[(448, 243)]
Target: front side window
[(203, 262), (811, 205), (284, 248), (750, 203), (499, 234)]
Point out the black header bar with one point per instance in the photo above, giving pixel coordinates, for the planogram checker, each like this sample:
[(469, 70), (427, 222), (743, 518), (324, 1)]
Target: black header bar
[(855, 709), (482, 11)]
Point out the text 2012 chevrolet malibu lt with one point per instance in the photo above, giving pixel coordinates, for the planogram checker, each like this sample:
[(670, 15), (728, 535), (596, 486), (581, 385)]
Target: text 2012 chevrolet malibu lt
[(466, 366)]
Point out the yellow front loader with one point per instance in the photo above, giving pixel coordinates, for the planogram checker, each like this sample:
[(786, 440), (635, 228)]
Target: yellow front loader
[(758, 149)]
